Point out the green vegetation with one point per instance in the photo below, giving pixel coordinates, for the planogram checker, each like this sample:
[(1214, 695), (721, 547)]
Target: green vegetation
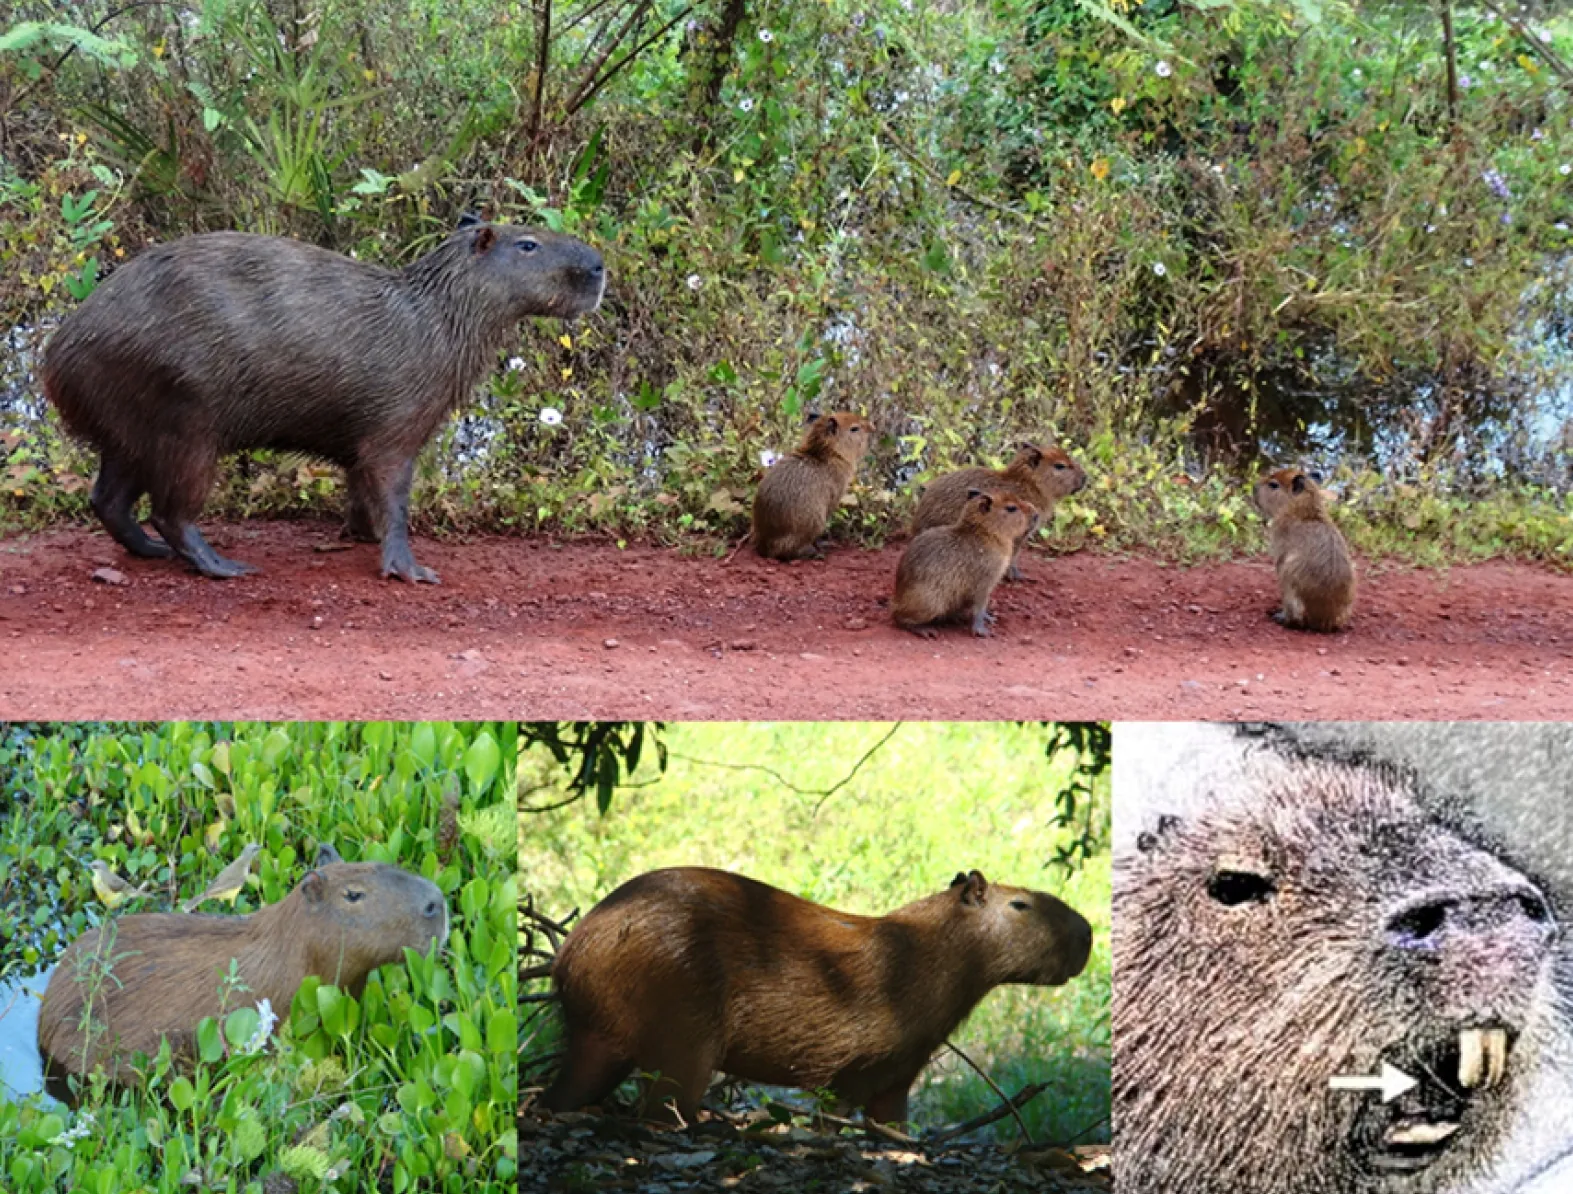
[(1184, 237), (933, 800), (410, 1087)]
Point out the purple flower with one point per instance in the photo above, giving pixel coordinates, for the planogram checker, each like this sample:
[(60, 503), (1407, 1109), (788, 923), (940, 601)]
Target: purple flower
[(1493, 179)]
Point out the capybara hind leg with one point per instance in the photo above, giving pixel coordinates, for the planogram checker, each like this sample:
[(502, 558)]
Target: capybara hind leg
[(397, 558), (888, 1106), (591, 1071), (675, 1085), (177, 497), (365, 521), (115, 494)]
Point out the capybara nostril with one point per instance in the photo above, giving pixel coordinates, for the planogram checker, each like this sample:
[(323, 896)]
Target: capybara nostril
[(1472, 919)]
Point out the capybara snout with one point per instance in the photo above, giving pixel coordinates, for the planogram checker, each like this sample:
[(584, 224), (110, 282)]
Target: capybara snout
[(682, 972)]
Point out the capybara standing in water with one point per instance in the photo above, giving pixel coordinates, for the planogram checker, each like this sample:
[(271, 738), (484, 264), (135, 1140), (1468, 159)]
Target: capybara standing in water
[(690, 970), (798, 493), (948, 573), (151, 975), (1283, 918), (1039, 475), (1316, 579), (227, 341)]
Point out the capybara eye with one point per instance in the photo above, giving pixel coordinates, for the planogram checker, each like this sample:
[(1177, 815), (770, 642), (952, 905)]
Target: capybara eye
[(1233, 888), (1020, 905), (352, 896), (1059, 464), (527, 245), (1272, 485)]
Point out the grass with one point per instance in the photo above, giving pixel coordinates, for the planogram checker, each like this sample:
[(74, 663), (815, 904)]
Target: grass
[(410, 1087), (935, 800)]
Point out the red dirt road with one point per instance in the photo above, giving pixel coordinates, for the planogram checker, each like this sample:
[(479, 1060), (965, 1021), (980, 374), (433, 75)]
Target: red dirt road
[(536, 629)]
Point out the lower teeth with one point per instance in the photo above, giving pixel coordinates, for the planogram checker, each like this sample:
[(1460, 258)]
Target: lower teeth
[(1420, 1133)]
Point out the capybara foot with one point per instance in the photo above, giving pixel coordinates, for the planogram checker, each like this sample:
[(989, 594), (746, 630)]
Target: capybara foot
[(399, 563), (1277, 615), (114, 499), (920, 631), (190, 546), (139, 543), (1014, 573)]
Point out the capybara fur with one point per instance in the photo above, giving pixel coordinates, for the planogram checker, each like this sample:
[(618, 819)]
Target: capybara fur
[(1285, 917), (1316, 579), (799, 492), (121, 987), (1039, 475), (948, 573), (686, 971), (227, 341)]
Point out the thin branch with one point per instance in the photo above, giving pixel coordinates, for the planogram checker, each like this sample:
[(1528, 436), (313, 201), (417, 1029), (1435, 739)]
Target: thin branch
[(1450, 49), (823, 794), (1012, 1107), (1542, 51), (542, 55), (917, 159), (581, 101), (635, 18)]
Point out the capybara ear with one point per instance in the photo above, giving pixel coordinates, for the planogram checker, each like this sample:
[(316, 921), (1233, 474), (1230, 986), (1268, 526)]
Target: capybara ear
[(485, 238), (1298, 484), (313, 887), (975, 887), (830, 422), (1168, 823), (326, 854), (468, 219), (1034, 455), (959, 879), (986, 502)]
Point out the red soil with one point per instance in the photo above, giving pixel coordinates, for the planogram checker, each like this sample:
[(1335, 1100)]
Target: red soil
[(539, 629)]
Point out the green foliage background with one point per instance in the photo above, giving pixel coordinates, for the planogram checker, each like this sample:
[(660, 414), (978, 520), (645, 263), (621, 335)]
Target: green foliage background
[(934, 800), (1182, 238), (411, 1088)]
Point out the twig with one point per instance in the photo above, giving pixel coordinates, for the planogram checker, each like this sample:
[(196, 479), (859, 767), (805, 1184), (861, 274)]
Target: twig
[(824, 794), (1020, 1099), (1011, 1105), (869, 1125), (580, 101), (1542, 51), (542, 54), (1450, 49), (635, 18), (913, 156)]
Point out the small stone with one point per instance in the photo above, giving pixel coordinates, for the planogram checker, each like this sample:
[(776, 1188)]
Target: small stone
[(610, 644), (104, 576)]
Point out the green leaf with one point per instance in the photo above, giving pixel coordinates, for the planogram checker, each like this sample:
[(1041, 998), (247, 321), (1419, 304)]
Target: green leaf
[(210, 1047), (182, 1094), (481, 761)]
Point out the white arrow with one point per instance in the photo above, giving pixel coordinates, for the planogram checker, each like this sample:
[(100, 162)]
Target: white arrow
[(1392, 1083)]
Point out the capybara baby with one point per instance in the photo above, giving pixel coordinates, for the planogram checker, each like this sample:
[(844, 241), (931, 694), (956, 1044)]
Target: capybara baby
[(799, 492), (948, 573), (139, 978), (1282, 919), (1316, 580), (686, 971), (228, 341), (1040, 475)]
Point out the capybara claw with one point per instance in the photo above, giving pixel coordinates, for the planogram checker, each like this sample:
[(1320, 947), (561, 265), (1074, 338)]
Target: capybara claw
[(412, 572), (220, 568)]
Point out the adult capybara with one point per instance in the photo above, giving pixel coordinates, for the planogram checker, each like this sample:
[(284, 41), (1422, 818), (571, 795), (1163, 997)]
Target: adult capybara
[(798, 494), (1316, 579), (690, 970), (228, 341), (948, 573), (1283, 918), (1039, 475), (136, 979)]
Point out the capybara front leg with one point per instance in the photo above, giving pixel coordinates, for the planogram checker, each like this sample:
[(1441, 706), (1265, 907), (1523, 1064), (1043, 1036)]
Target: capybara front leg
[(889, 1106), (397, 558), (677, 1082), (981, 618), (366, 513), (115, 494), (592, 1070), (178, 495)]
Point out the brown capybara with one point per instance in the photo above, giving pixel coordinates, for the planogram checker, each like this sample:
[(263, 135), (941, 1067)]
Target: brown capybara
[(686, 971), (1300, 915), (136, 979), (1316, 579), (228, 341), (1039, 475), (799, 492), (948, 573)]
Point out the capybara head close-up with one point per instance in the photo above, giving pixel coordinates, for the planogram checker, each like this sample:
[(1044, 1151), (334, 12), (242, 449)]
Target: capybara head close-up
[(686, 971), (516, 271), (121, 987), (1274, 492), (1281, 921)]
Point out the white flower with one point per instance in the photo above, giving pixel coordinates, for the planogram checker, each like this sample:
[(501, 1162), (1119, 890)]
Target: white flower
[(1537, 135), (1357, 74), (1565, 169), (767, 457), (1159, 268), (1545, 36), (266, 1021), (1430, 227), (695, 281), (551, 416), (1560, 226), (1164, 69), (84, 1126), (746, 104), (766, 36), (515, 364)]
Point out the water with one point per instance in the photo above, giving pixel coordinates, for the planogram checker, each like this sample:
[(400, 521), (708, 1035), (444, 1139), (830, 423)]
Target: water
[(21, 1067)]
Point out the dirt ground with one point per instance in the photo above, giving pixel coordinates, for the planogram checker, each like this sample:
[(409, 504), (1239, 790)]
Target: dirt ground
[(540, 629)]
